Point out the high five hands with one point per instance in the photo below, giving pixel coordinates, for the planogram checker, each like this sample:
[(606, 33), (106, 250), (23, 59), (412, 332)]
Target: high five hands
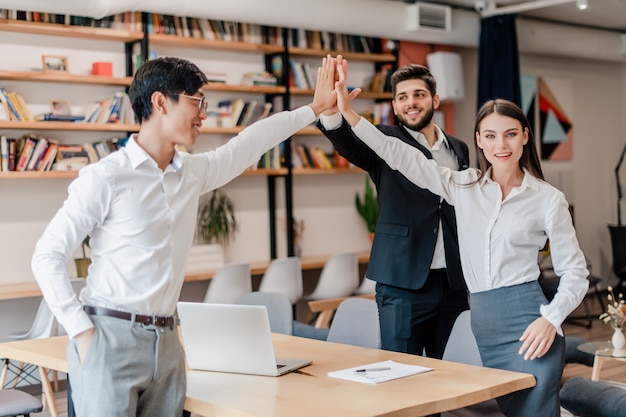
[(332, 76)]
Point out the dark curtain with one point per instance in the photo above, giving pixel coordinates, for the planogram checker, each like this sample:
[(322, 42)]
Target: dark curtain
[(498, 60)]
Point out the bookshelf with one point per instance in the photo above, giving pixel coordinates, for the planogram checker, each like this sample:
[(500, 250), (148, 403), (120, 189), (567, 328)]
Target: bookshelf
[(275, 42)]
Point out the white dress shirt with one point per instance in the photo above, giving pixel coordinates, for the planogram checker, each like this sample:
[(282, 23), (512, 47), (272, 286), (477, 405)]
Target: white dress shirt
[(441, 153), (499, 239), (141, 221)]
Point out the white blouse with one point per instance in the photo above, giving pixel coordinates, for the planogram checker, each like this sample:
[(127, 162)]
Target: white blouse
[(499, 240)]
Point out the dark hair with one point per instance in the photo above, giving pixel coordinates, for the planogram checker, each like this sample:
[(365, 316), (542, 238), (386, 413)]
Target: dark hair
[(411, 72), (168, 75), (529, 159)]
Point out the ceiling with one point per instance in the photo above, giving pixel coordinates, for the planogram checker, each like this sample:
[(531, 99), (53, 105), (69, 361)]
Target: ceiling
[(603, 14)]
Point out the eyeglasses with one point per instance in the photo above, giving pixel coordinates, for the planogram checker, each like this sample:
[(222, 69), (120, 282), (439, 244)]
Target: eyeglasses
[(202, 103)]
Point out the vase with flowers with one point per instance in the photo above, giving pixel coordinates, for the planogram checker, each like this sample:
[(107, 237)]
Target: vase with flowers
[(614, 316)]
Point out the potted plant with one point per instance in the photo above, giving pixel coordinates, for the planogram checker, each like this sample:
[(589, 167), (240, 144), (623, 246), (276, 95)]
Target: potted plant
[(368, 207), (216, 219), (82, 264), (216, 226)]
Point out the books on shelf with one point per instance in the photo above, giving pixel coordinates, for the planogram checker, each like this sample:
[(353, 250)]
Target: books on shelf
[(239, 112), (49, 117), (37, 153), (116, 109), (18, 109), (259, 78), (211, 29)]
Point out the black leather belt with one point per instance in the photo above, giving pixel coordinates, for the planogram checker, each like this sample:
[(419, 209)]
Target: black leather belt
[(139, 318)]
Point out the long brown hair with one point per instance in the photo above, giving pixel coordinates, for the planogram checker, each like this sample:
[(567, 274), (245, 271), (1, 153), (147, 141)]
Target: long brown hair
[(529, 159)]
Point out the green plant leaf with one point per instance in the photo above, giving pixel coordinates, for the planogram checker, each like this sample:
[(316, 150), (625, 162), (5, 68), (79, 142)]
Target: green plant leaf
[(368, 206), (216, 219)]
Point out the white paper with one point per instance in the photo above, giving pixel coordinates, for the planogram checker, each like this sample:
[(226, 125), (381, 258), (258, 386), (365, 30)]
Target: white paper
[(373, 374)]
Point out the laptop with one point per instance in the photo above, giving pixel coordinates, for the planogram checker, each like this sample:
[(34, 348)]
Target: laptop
[(231, 338)]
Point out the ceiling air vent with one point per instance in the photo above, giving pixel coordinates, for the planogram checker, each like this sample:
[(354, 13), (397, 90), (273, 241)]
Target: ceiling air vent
[(427, 16)]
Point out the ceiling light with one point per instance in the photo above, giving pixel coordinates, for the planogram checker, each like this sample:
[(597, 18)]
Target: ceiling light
[(581, 4)]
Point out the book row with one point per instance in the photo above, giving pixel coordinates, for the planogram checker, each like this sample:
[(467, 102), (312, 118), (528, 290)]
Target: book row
[(237, 112), (38, 153), (211, 29), (302, 156), (129, 21), (116, 109)]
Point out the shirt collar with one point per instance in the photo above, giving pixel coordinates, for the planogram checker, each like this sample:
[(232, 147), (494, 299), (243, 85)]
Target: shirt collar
[(420, 138), (529, 180), (137, 155)]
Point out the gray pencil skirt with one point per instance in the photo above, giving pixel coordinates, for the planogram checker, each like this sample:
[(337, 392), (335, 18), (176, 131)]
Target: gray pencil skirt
[(499, 317)]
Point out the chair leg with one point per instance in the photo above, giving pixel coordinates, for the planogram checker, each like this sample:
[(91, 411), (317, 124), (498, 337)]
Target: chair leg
[(55, 378), (18, 373), (5, 370), (46, 389)]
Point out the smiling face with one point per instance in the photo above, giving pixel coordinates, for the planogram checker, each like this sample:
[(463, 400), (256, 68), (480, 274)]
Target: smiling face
[(184, 118), (502, 140), (414, 105)]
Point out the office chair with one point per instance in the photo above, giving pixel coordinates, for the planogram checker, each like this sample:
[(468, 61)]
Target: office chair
[(44, 325), (356, 323), (284, 276), (15, 402), (462, 348), (339, 277), (618, 246), (279, 309), (230, 283), (367, 287)]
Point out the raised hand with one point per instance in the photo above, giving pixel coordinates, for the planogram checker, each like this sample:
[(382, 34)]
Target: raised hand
[(325, 95), (344, 98), (352, 95)]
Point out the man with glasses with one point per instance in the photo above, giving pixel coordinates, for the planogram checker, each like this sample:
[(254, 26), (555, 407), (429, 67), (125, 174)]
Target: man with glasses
[(139, 207)]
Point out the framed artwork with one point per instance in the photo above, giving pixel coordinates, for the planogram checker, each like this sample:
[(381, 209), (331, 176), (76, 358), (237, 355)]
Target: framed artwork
[(55, 63), (59, 107)]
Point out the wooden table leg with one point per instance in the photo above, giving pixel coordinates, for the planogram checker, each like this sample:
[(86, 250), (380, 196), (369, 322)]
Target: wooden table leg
[(47, 392), (598, 361)]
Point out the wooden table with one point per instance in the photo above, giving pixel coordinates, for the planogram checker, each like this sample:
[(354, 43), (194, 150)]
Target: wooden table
[(313, 393), (31, 289)]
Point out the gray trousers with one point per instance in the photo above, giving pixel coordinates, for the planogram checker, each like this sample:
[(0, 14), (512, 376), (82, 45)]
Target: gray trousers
[(131, 370)]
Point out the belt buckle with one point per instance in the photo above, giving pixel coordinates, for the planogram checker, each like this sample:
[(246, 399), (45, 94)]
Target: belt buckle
[(159, 321)]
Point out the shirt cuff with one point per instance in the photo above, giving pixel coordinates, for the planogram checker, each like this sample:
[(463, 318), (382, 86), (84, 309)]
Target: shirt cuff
[(331, 122), (553, 317)]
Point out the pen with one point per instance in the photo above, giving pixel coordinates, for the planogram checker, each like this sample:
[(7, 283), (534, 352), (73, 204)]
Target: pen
[(373, 369)]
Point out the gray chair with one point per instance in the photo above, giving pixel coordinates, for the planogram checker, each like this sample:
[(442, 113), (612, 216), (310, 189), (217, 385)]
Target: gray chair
[(462, 348), (356, 323), (230, 283), (18, 403), (339, 277), (279, 309), (367, 287), (284, 276)]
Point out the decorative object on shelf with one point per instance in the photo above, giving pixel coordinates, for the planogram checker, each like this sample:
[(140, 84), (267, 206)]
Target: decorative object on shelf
[(102, 68), (82, 264), (60, 108), (55, 63), (368, 207)]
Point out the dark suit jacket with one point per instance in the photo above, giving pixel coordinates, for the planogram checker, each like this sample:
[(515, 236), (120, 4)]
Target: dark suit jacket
[(407, 227)]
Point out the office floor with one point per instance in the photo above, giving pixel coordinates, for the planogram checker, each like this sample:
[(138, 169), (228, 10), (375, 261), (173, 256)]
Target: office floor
[(614, 371)]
